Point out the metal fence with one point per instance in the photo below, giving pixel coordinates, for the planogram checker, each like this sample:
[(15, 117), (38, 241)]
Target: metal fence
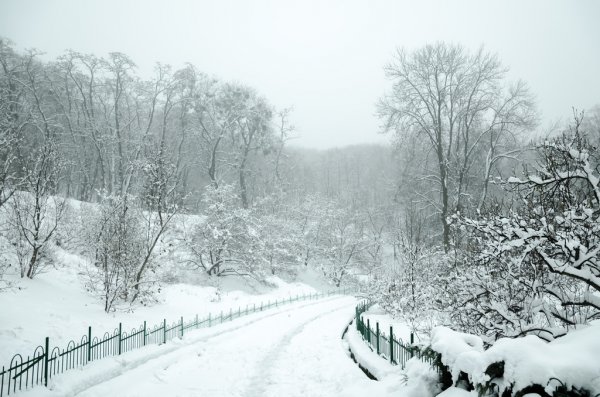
[(385, 344), (24, 372)]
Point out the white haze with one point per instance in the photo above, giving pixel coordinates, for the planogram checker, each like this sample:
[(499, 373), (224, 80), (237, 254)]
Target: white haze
[(325, 58)]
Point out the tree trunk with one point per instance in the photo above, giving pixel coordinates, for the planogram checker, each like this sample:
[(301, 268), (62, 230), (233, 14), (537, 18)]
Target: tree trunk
[(32, 262)]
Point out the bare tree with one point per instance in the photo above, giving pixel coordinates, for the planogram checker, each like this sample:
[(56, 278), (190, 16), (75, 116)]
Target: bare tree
[(217, 108), (455, 100), (253, 133), (36, 213), (284, 135)]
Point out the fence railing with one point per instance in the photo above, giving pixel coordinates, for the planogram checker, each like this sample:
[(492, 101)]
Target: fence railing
[(385, 344), (45, 363)]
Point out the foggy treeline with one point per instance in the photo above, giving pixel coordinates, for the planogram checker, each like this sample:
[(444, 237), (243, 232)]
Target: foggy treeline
[(108, 131), (180, 142)]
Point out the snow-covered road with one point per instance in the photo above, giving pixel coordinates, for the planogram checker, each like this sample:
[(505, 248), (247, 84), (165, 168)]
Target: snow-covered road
[(294, 352)]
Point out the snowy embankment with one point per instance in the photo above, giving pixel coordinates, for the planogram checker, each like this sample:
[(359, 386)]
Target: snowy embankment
[(418, 379), (57, 305), (293, 351)]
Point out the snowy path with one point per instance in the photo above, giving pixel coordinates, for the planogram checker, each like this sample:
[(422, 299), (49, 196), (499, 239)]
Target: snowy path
[(292, 352)]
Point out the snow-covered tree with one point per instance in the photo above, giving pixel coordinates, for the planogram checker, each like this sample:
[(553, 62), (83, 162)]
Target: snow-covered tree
[(227, 240), (114, 244), (281, 240), (459, 107), (12, 121), (343, 245), (309, 220), (36, 213), (159, 199), (408, 290)]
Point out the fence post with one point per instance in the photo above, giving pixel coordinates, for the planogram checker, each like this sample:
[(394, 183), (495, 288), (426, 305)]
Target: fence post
[(46, 360), (196, 320), (120, 330), (412, 341), (357, 316), (230, 314), (89, 352), (369, 331), (182, 326), (391, 345), (221, 316), (165, 330), (377, 325), (209, 320), (145, 336)]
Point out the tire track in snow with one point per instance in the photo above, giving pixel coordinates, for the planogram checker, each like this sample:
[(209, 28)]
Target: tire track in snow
[(261, 378)]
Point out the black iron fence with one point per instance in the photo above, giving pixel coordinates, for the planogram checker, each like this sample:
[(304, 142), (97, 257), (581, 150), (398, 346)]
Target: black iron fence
[(26, 372), (385, 344)]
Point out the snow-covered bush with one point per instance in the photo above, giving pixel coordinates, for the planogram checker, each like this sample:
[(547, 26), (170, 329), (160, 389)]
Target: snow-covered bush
[(537, 270), (408, 292), (227, 241), (115, 244)]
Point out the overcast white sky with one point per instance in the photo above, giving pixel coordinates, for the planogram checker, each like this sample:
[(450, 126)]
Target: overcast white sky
[(325, 57)]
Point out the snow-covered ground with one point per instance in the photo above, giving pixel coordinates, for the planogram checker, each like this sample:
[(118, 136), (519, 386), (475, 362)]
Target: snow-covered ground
[(294, 350), (56, 305)]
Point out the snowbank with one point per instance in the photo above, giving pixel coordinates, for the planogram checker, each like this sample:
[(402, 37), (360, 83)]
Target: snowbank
[(456, 392), (378, 366), (572, 361), (460, 352), (418, 379)]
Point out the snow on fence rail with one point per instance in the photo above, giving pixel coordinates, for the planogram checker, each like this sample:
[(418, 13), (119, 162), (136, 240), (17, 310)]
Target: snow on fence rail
[(386, 345), (24, 373)]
